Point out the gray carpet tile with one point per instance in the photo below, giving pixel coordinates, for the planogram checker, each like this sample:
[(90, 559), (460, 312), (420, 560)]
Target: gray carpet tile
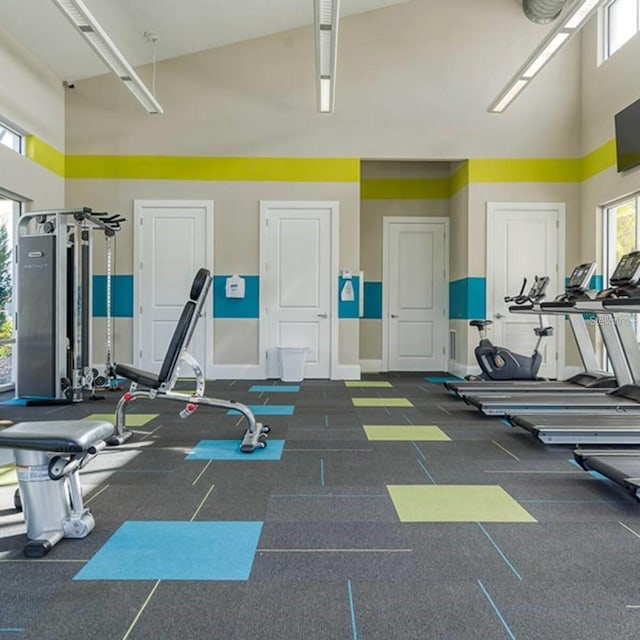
[(420, 610), (294, 609), (338, 504), (333, 560)]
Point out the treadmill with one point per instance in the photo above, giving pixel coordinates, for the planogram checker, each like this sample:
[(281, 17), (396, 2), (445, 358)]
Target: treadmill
[(623, 467), (622, 348), (551, 428), (589, 378)]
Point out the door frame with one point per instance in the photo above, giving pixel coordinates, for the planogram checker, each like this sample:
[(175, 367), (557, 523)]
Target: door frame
[(138, 211), (387, 221), (266, 291), (492, 209)]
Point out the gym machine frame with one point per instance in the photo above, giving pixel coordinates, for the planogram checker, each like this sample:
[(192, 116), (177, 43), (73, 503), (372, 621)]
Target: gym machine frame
[(53, 322)]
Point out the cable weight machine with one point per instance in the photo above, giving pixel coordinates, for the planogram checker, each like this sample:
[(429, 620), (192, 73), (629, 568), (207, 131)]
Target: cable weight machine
[(54, 300)]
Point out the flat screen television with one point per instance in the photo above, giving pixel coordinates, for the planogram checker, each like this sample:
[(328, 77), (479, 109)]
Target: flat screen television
[(627, 127)]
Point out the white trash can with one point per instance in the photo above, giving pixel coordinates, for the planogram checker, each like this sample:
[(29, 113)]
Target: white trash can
[(292, 363)]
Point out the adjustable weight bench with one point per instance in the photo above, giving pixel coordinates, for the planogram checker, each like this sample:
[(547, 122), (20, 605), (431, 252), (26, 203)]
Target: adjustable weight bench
[(161, 385), (49, 456)]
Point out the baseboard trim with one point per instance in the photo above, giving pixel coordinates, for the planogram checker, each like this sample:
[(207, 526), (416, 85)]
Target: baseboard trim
[(371, 366), (236, 372), (347, 372), (462, 370)]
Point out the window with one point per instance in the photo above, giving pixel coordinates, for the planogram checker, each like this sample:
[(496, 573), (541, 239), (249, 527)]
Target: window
[(622, 230), (622, 22), (10, 138), (622, 235), (9, 211)]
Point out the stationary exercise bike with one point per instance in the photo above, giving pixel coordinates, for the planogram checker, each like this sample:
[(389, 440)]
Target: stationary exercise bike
[(500, 363)]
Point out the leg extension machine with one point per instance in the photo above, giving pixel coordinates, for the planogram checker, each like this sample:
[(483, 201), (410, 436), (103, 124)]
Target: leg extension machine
[(49, 456)]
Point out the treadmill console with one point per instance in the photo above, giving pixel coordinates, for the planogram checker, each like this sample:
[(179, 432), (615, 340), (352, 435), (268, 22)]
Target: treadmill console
[(628, 270), (580, 277), (577, 285), (625, 280)]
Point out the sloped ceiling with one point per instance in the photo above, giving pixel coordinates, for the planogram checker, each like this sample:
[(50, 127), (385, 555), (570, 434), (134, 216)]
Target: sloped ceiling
[(181, 27)]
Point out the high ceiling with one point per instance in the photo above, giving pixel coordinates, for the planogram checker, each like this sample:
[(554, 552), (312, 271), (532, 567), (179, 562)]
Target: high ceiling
[(181, 27)]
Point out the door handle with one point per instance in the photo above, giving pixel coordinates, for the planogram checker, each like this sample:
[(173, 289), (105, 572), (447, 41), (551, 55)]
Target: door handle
[(323, 315), (395, 315), (499, 315)]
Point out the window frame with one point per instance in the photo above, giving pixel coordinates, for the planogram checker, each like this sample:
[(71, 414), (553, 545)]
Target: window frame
[(18, 205), (16, 133), (606, 30), (609, 253)]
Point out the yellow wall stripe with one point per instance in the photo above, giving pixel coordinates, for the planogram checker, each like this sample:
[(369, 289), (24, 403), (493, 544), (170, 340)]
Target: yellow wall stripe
[(219, 169), (476, 171), (598, 160), (322, 170), (405, 189), (460, 178), (45, 155), (525, 170)]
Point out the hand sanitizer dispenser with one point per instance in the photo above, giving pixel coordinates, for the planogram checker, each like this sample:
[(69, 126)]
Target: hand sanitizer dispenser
[(234, 287), (347, 293)]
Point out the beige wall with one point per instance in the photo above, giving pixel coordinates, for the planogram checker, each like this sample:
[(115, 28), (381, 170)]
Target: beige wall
[(459, 233), (28, 181), (31, 99), (31, 96), (606, 89), (237, 243), (372, 214), (407, 89)]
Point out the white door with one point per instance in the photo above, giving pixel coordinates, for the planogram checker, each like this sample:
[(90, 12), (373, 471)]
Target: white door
[(523, 240), (296, 282), (173, 239), (415, 289)]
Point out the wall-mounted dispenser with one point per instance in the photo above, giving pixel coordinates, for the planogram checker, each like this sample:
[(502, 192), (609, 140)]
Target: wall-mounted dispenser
[(347, 293), (234, 287)]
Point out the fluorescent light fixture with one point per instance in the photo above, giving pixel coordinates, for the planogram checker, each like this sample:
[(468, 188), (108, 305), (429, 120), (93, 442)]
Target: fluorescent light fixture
[(89, 28), (514, 90), (545, 54), (581, 13), (569, 23), (326, 15)]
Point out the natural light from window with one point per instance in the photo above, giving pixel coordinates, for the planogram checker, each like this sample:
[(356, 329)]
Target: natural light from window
[(8, 212), (10, 138), (621, 23)]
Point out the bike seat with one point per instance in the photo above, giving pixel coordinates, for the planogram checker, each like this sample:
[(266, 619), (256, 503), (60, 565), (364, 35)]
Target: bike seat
[(480, 323)]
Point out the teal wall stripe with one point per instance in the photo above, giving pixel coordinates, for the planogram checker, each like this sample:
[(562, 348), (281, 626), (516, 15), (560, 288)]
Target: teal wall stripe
[(349, 309), (468, 298), (121, 296), (247, 307), (373, 300), (597, 282)]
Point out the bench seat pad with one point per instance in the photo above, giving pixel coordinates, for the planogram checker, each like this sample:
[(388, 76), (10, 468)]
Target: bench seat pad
[(145, 378), (58, 436)]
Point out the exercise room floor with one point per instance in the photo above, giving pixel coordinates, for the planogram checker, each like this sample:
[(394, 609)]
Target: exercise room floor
[(384, 509)]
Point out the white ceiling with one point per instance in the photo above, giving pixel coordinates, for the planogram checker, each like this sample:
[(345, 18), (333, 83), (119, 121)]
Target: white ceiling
[(181, 27)]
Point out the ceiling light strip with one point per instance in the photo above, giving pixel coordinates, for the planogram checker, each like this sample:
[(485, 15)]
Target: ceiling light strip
[(326, 14), (576, 15), (89, 28)]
